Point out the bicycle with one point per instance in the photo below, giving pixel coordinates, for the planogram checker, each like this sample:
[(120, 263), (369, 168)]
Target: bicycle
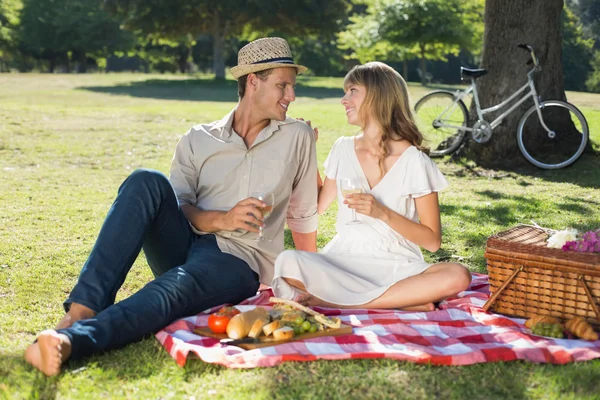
[(552, 134)]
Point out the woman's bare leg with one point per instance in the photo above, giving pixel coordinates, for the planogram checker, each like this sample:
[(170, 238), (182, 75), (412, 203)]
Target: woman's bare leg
[(76, 312), (50, 351), (416, 293)]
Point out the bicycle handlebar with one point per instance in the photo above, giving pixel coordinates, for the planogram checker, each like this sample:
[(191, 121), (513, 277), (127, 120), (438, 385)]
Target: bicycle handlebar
[(533, 58)]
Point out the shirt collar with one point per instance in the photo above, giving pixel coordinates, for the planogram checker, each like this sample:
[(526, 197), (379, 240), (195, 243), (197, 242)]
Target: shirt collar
[(224, 127)]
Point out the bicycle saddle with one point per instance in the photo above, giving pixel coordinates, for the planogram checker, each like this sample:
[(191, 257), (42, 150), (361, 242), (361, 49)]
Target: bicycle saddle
[(472, 73)]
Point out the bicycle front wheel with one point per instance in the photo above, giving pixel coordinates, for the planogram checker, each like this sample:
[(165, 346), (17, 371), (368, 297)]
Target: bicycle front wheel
[(440, 117), (557, 144)]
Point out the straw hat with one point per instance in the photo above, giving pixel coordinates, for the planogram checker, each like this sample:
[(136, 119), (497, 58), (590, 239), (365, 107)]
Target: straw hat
[(265, 53)]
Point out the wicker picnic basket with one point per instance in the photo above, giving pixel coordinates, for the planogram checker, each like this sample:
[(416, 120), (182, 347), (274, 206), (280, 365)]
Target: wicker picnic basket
[(527, 278)]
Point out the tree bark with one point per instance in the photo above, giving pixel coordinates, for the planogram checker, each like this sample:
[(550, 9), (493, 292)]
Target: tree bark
[(219, 32), (507, 23), (423, 66)]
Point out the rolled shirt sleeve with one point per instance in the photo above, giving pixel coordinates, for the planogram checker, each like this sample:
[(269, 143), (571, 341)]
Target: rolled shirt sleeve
[(302, 214), (183, 173)]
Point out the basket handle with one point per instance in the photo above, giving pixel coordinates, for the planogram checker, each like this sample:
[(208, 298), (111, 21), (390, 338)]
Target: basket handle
[(492, 299), (589, 295)]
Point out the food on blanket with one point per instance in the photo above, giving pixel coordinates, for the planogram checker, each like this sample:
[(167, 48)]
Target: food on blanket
[(269, 328), (293, 316), (531, 322), (549, 330), (240, 325), (283, 333), (333, 322), (580, 328), (258, 326), (217, 322)]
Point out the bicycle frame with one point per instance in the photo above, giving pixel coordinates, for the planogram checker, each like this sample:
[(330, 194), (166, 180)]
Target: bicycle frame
[(461, 94)]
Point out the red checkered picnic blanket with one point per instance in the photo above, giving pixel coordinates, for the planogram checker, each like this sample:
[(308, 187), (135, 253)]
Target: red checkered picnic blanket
[(459, 333)]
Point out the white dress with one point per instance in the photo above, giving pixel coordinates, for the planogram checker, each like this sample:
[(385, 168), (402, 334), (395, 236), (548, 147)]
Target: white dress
[(363, 260)]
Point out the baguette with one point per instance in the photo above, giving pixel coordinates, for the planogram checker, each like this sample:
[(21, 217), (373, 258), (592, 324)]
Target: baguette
[(240, 324), (333, 322)]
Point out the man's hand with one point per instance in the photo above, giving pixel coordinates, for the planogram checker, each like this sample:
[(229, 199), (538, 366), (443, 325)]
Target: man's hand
[(315, 129), (244, 215)]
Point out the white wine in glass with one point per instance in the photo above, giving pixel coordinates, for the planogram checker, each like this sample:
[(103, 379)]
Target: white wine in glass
[(351, 186), (269, 200)]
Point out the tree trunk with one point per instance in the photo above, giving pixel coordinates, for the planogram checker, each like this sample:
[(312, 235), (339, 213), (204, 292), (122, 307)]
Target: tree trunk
[(405, 69), (185, 54), (218, 48), (80, 59), (507, 23), (423, 66)]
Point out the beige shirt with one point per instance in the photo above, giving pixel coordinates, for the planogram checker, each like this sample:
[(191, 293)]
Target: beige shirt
[(213, 170)]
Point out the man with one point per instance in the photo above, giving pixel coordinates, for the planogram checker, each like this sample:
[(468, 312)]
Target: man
[(199, 230)]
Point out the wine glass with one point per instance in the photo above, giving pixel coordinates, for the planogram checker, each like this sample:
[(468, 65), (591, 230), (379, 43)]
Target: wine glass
[(351, 186), (269, 199)]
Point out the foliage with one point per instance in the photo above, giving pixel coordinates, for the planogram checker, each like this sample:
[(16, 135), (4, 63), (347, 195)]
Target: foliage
[(589, 13), (402, 30), (57, 29), (226, 18), (9, 20), (593, 82), (576, 51), (436, 27), (364, 42)]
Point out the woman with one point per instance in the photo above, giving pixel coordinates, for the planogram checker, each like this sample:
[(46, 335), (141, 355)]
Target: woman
[(377, 263)]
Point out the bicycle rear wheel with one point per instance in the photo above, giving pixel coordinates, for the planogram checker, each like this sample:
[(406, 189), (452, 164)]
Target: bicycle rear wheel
[(560, 147), (439, 117)]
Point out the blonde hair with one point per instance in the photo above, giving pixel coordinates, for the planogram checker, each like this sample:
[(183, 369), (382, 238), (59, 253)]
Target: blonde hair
[(387, 103)]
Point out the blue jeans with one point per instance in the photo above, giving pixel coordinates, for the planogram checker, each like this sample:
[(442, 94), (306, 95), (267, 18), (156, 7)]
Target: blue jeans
[(191, 272)]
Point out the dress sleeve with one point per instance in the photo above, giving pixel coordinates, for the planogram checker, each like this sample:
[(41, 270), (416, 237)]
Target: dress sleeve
[(333, 159), (425, 177)]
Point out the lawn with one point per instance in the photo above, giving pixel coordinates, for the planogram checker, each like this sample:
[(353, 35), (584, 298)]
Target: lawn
[(68, 141)]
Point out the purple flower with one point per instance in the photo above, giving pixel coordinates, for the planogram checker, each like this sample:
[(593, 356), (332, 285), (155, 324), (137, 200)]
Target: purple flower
[(591, 236), (589, 242)]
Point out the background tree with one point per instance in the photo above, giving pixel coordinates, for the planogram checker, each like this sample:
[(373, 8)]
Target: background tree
[(364, 43), (66, 31), (589, 13), (9, 21), (577, 51), (507, 23), (434, 27), (224, 18)]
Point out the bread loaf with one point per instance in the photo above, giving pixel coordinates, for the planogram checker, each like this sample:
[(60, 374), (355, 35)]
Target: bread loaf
[(543, 319), (240, 325), (580, 328), (283, 333), (257, 327), (269, 328)]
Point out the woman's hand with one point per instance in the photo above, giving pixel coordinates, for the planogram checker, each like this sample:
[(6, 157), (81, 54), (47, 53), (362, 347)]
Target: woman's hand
[(315, 129), (366, 204)]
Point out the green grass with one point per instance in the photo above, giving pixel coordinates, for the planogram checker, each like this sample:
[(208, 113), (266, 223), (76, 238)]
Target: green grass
[(68, 141)]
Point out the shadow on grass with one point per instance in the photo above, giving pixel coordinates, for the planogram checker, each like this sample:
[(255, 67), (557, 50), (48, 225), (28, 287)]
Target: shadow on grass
[(386, 378), (198, 90), (583, 173)]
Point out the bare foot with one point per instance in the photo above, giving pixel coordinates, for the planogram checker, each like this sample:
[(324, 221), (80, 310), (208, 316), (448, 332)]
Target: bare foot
[(49, 352), (76, 312), (424, 307)]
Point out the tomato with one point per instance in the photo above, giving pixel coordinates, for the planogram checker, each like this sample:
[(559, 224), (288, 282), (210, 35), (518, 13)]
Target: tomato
[(217, 322)]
